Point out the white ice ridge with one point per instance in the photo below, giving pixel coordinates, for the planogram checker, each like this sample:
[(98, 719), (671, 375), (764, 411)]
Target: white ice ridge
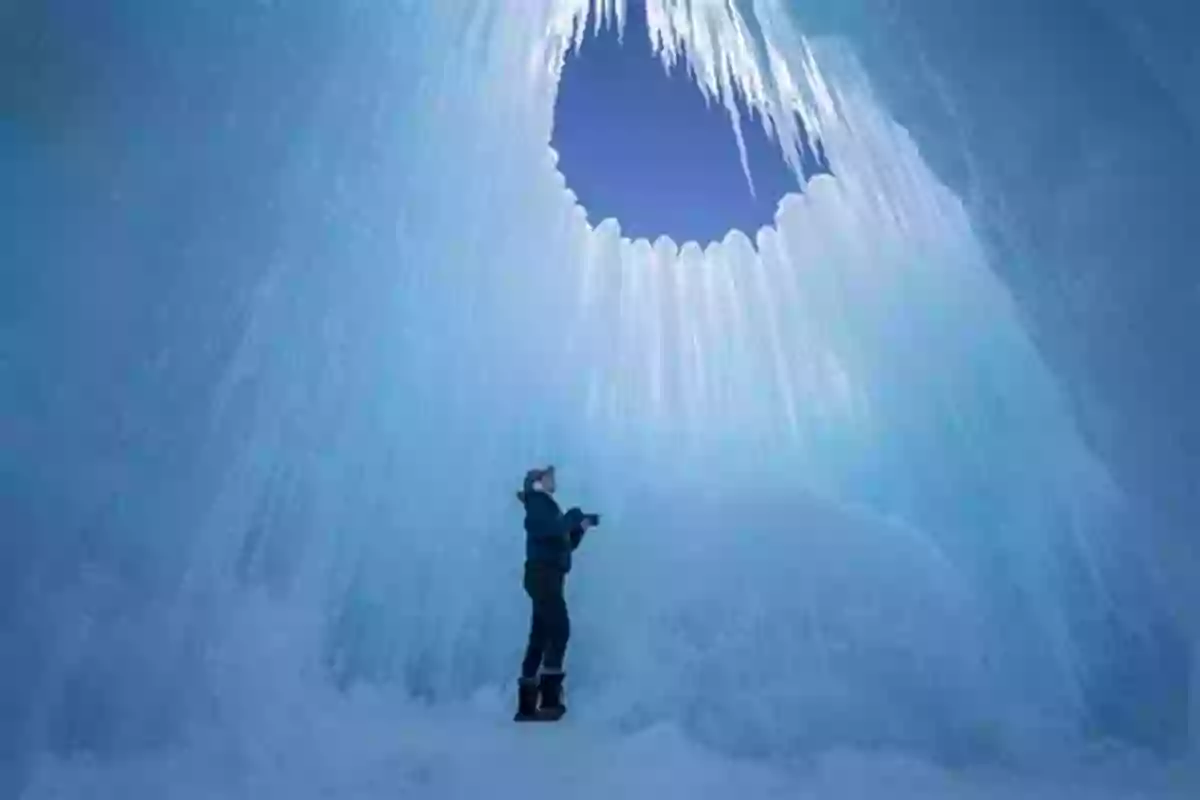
[(730, 54)]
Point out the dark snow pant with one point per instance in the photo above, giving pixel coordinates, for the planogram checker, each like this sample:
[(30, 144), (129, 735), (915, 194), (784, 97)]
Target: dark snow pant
[(549, 627)]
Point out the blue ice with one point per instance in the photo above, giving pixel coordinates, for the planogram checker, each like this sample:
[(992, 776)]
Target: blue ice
[(294, 294)]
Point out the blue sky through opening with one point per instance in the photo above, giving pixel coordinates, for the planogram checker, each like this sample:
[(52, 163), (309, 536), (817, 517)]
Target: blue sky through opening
[(642, 145)]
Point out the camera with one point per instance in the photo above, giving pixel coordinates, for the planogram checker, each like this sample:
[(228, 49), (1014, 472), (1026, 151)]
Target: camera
[(576, 517)]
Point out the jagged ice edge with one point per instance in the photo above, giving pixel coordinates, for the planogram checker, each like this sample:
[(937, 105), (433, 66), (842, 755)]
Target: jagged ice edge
[(727, 58)]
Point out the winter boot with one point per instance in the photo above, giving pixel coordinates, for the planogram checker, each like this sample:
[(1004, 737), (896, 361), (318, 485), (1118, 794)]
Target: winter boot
[(551, 691), (527, 700)]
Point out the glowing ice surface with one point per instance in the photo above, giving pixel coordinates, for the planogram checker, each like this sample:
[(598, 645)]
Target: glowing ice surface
[(847, 510)]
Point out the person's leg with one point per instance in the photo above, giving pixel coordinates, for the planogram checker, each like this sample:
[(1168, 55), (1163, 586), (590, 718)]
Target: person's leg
[(558, 629), (535, 648), (527, 686), (558, 624), (539, 627)]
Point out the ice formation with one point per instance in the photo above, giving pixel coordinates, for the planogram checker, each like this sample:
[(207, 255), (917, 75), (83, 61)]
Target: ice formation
[(269, 398)]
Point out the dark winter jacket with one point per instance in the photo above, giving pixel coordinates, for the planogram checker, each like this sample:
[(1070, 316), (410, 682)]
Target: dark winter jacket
[(550, 535)]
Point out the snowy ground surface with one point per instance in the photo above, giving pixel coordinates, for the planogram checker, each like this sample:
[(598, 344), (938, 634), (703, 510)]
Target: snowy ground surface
[(371, 747)]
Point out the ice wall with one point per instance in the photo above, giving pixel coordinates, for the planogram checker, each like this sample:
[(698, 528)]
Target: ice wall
[(293, 316), (1069, 130), (764, 375)]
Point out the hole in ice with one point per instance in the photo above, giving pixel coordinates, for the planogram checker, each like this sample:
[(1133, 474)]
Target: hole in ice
[(643, 146)]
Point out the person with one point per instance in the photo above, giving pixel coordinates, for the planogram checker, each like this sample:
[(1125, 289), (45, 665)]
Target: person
[(551, 538)]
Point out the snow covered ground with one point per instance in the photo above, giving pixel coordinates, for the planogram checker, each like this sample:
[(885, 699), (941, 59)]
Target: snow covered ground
[(275, 731), (371, 748)]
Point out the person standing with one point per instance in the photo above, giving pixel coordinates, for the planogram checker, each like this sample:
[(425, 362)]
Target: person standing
[(551, 537)]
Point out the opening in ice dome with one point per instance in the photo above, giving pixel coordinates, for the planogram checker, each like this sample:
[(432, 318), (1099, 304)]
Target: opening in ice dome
[(640, 143)]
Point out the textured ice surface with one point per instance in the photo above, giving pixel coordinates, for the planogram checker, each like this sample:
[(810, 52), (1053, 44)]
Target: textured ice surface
[(294, 736), (324, 298)]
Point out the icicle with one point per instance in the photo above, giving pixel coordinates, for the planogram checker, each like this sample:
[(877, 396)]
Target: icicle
[(712, 40)]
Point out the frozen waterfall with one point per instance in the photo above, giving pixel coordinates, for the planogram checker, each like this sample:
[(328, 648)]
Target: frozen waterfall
[(292, 297)]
